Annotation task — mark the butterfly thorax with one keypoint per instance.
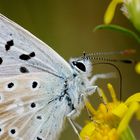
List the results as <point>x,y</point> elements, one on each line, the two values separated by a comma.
<point>75,87</point>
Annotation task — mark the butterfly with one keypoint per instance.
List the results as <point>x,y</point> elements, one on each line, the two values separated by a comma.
<point>38,88</point>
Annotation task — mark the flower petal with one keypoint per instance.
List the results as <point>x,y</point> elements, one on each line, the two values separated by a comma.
<point>137,68</point>
<point>87,131</point>
<point>90,108</point>
<point>112,92</point>
<point>109,14</point>
<point>120,110</point>
<point>133,98</point>
<point>126,119</point>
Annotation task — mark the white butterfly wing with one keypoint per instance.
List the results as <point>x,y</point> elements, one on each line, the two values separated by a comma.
<point>30,107</point>
<point>31,81</point>
<point>21,52</point>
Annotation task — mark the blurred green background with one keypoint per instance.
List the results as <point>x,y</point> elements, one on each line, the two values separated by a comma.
<point>67,26</point>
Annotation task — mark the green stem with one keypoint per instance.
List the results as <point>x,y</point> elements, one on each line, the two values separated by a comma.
<point>119,29</point>
<point>127,135</point>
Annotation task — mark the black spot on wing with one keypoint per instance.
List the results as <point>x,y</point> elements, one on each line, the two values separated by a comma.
<point>1,131</point>
<point>34,84</point>
<point>13,131</point>
<point>32,54</point>
<point>10,85</point>
<point>24,57</point>
<point>27,56</point>
<point>33,105</point>
<point>1,60</point>
<point>38,138</point>
<point>9,44</point>
<point>24,70</point>
<point>39,117</point>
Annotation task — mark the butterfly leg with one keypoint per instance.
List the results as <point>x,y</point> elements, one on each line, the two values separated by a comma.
<point>92,89</point>
<point>100,95</point>
<point>69,117</point>
<point>101,76</point>
<point>96,88</point>
<point>85,101</point>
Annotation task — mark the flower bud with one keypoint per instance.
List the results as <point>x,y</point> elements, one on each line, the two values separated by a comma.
<point>131,9</point>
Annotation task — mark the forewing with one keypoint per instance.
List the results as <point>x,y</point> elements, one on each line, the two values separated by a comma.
<point>30,107</point>
<point>21,52</point>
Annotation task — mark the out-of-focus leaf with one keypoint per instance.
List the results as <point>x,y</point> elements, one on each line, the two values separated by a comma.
<point>119,29</point>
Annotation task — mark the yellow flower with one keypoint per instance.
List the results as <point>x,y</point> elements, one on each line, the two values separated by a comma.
<point>137,68</point>
<point>110,121</point>
<point>130,8</point>
<point>109,14</point>
<point>132,11</point>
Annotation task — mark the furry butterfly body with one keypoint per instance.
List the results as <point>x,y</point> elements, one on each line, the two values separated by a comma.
<point>38,88</point>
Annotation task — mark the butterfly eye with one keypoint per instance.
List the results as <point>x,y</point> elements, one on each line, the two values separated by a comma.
<point>79,65</point>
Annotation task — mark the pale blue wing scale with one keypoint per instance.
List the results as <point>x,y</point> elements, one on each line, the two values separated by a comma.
<point>45,59</point>
<point>32,112</point>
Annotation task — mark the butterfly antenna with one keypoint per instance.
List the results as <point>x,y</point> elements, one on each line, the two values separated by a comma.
<point>122,52</point>
<point>103,59</point>
<point>98,56</point>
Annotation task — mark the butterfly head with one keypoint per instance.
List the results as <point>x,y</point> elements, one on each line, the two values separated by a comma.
<point>82,66</point>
